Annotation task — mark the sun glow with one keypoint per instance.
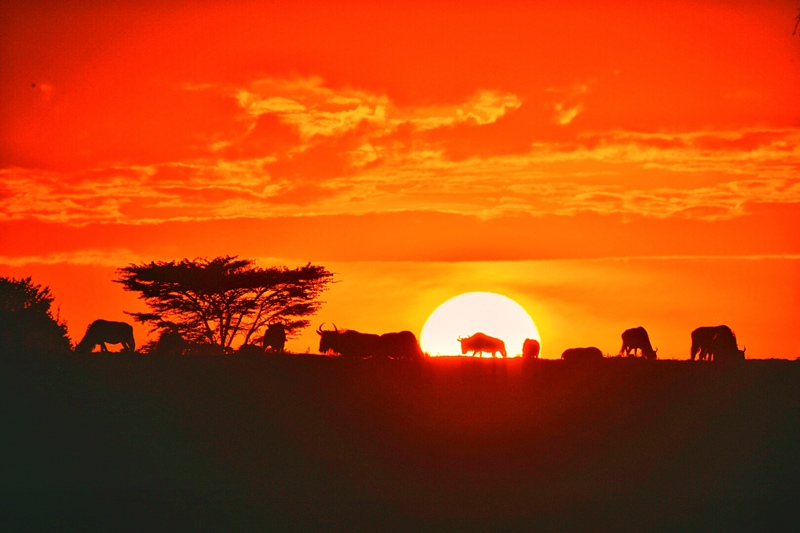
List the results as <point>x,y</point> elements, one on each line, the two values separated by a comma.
<point>472,312</point>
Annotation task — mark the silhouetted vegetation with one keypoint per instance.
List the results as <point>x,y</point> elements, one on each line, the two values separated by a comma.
<point>27,323</point>
<point>220,300</point>
<point>796,22</point>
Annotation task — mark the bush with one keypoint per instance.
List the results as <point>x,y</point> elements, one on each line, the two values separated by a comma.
<point>26,320</point>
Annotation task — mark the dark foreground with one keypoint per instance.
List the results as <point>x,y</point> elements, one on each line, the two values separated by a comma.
<point>308,443</point>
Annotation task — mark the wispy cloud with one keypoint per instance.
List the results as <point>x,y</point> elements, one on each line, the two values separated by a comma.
<point>107,257</point>
<point>569,103</point>
<point>306,148</point>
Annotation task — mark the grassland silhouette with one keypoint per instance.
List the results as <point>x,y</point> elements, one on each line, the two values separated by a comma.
<point>397,441</point>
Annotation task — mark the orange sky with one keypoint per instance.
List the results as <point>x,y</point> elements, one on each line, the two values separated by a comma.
<point>606,164</point>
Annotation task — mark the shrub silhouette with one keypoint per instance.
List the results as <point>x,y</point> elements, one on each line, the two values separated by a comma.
<point>170,343</point>
<point>27,323</point>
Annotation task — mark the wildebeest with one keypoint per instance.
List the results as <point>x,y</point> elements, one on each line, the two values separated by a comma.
<point>637,339</point>
<point>401,345</point>
<point>480,342</point>
<point>274,337</point>
<point>106,331</point>
<point>531,349</point>
<point>716,343</point>
<point>249,350</point>
<point>351,344</point>
<point>582,354</point>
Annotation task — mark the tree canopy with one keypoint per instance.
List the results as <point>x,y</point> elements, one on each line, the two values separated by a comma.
<point>221,300</point>
<point>27,323</point>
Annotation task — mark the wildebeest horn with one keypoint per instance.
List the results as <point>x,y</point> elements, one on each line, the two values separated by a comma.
<point>460,338</point>
<point>320,331</point>
<point>744,349</point>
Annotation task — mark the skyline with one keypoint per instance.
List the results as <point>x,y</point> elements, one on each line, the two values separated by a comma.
<point>606,165</point>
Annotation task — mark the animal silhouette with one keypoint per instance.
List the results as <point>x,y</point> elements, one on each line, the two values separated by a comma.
<point>354,344</point>
<point>106,331</point>
<point>531,349</point>
<point>715,343</point>
<point>480,342</point>
<point>637,339</point>
<point>589,353</point>
<point>250,350</point>
<point>401,345</point>
<point>702,340</point>
<point>274,337</point>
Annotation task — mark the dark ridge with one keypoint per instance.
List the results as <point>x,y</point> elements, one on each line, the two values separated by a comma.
<point>109,442</point>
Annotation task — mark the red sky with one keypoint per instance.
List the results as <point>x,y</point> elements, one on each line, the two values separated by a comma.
<point>607,164</point>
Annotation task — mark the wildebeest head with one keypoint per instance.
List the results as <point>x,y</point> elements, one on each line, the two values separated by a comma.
<point>464,342</point>
<point>328,339</point>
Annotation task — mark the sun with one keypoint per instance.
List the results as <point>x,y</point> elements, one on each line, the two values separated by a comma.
<point>472,312</point>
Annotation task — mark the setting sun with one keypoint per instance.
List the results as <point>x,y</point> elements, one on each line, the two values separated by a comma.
<point>472,312</point>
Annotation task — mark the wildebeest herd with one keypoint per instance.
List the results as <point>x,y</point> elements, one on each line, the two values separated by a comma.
<point>709,343</point>
<point>712,343</point>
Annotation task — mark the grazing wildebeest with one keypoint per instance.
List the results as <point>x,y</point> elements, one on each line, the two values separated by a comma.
<point>106,331</point>
<point>637,339</point>
<point>715,343</point>
<point>582,354</point>
<point>702,339</point>
<point>250,350</point>
<point>401,345</point>
<point>274,337</point>
<point>480,342</point>
<point>351,344</point>
<point>531,349</point>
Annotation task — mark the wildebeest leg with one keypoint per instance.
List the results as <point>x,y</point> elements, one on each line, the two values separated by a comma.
<point>103,347</point>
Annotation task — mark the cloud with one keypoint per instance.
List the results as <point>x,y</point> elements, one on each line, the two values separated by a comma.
<point>113,257</point>
<point>569,103</point>
<point>566,114</point>
<point>317,110</point>
<point>303,147</point>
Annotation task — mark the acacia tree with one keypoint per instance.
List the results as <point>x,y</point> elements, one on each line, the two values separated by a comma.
<point>219,300</point>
